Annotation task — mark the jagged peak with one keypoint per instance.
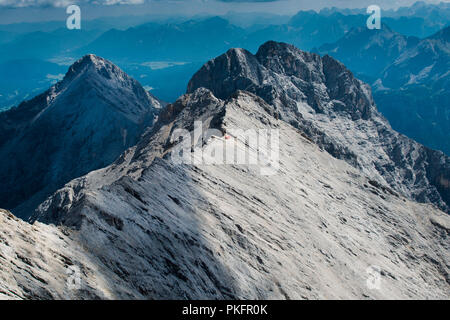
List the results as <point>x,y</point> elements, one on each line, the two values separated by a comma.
<point>384,30</point>
<point>239,54</point>
<point>271,45</point>
<point>276,49</point>
<point>272,48</point>
<point>90,60</point>
<point>99,65</point>
<point>90,57</point>
<point>239,69</point>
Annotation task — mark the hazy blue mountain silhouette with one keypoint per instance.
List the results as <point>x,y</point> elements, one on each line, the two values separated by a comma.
<point>409,75</point>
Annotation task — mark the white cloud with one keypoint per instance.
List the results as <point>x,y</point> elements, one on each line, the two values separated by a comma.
<point>35,3</point>
<point>62,3</point>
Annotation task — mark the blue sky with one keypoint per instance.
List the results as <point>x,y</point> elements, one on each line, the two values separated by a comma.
<point>41,10</point>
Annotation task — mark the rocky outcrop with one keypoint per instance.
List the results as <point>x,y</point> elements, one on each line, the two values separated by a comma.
<point>369,52</point>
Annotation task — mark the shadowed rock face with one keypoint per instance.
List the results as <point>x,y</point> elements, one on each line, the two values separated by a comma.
<point>80,124</point>
<point>333,108</point>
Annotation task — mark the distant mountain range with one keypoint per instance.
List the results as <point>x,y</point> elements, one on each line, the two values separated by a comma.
<point>368,52</point>
<point>409,75</point>
<point>189,40</point>
<point>306,29</point>
<point>434,12</point>
<point>45,45</point>
<point>427,63</point>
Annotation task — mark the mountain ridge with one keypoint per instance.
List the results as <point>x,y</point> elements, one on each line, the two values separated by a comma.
<point>322,97</point>
<point>409,77</point>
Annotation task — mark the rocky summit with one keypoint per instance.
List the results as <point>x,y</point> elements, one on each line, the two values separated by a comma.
<point>80,124</point>
<point>349,209</point>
